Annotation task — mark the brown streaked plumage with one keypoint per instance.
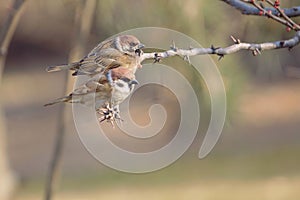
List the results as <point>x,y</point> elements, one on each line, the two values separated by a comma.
<point>99,91</point>
<point>112,54</point>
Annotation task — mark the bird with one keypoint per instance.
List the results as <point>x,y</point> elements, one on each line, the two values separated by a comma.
<point>99,92</point>
<point>112,54</point>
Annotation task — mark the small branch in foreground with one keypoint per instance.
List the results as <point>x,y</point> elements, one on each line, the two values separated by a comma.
<point>247,9</point>
<point>255,48</point>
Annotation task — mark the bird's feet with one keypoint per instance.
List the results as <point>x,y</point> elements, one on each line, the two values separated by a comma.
<point>109,114</point>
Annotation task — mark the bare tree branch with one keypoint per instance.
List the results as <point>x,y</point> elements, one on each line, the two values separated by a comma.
<point>269,14</point>
<point>280,17</point>
<point>246,6</point>
<point>255,48</point>
<point>276,5</point>
<point>247,9</point>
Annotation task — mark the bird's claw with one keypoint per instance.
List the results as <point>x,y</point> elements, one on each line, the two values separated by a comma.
<point>109,114</point>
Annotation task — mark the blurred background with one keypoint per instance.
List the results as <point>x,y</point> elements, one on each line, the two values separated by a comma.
<point>257,156</point>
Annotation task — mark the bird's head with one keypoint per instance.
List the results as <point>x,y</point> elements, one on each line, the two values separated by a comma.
<point>129,44</point>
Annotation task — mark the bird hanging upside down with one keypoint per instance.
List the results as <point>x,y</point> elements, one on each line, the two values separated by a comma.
<point>105,97</point>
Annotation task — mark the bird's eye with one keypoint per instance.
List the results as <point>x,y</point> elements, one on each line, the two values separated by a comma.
<point>138,52</point>
<point>133,44</point>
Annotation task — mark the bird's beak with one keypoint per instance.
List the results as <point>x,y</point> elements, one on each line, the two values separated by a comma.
<point>135,82</point>
<point>140,46</point>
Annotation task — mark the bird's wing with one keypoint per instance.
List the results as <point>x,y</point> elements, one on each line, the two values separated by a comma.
<point>104,45</point>
<point>91,86</point>
<point>99,62</point>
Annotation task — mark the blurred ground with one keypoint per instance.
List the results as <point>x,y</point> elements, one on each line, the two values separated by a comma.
<point>258,150</point>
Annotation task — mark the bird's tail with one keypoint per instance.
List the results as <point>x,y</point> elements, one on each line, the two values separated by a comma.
<point>62,99</point>
<point>56,68</point>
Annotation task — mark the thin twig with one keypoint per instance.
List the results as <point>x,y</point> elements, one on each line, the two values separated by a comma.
<point>255,48</point>
<point>282,14</point>
<point>247,9</point>
<point>271,15</point>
